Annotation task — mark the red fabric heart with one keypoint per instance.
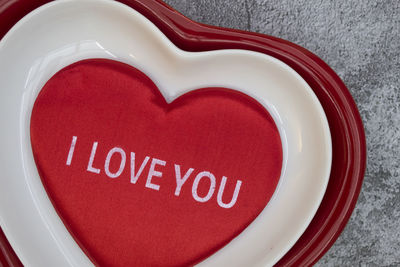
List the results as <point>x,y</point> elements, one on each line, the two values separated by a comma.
<point>121,220</point>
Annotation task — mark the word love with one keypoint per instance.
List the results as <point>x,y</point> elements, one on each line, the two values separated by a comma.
<point>155,172</point>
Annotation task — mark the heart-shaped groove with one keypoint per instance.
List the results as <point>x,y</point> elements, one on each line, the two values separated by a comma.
<point>140,182</point>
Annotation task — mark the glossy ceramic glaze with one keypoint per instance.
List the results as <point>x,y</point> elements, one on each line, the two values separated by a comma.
<point>55,44</point>
<point>347,132</point>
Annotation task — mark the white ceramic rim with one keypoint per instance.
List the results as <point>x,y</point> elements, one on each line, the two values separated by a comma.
<point>66,31</point>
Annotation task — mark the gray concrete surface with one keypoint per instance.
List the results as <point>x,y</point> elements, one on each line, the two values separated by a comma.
<point>360,40</point>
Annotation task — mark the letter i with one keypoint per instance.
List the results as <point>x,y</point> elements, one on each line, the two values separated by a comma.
<point>71,150</point>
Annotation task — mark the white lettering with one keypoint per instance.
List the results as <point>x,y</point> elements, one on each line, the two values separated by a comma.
<point>71,150</point>
<point>180,181</point>
<point>134,177</point>
<point>154,173</point>
<point>196,184</point>
<point>121,165</point>
<point>221,192</point>
<point>90,167</point>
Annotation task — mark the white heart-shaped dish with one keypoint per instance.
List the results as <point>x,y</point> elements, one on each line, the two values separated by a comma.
<point>63,32</point>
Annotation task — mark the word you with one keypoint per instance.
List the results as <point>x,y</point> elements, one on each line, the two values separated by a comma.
<point>154,171</point>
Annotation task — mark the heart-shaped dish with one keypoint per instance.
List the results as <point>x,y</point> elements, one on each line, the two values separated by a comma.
<point>62,33</point>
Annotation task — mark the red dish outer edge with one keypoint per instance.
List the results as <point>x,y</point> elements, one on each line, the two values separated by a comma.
<point>348,137</point>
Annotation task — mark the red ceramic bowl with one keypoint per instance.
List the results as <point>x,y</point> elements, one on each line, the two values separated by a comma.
<point>348,138</point>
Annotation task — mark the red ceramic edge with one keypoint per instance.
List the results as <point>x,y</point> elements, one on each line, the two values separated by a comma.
<point>348,137</point>
<point>7,255</point>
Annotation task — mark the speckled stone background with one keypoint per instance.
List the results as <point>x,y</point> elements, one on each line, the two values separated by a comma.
<point>360,40</point>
